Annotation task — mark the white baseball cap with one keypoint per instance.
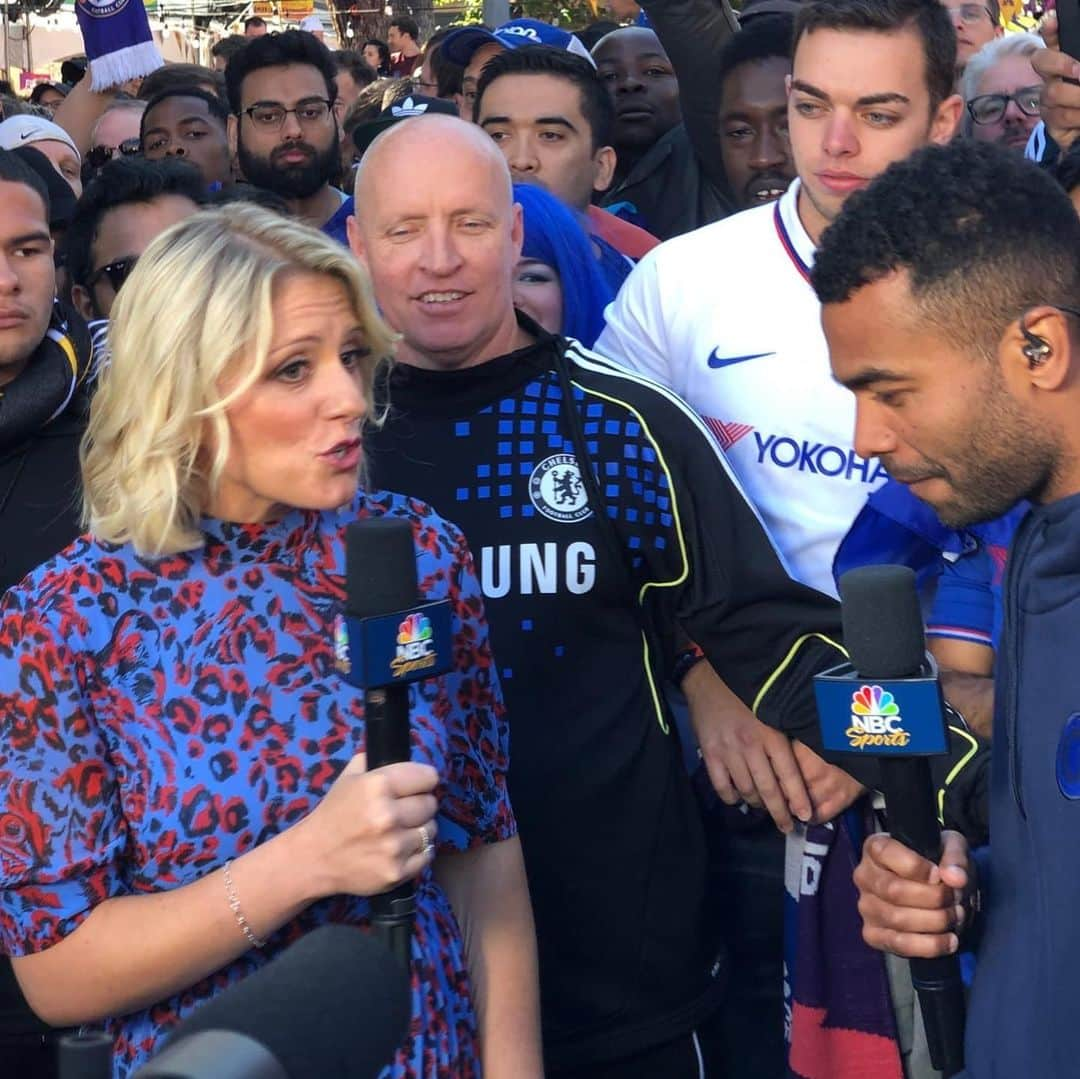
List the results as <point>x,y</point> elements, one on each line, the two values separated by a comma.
<point>25,130</point>
<point>459,45</point>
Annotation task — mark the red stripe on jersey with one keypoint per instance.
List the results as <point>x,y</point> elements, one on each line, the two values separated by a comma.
<point>785,241</point>
<point>727,434</point>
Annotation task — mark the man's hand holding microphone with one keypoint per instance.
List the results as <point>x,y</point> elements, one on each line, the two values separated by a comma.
<point>911,906</point>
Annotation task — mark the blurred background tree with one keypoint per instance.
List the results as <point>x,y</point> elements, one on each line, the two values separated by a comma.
<point>568,13</point>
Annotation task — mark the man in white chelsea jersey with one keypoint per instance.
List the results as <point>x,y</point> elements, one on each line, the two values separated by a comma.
<point>726,316</point>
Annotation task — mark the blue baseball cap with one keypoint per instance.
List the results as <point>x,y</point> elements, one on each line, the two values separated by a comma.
<point>459,45</point>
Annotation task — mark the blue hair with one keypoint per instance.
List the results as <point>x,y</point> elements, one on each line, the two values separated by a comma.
<point>554,235</point>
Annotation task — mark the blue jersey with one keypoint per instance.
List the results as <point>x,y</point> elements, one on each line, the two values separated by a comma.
<point>336,227</point>
<point>968,605</point>
<point>962,569</point>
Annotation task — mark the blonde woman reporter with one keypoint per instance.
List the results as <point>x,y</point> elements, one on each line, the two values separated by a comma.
<point>182,788</point>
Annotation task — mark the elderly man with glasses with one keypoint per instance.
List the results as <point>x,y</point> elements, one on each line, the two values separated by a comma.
<point>1002,91</point>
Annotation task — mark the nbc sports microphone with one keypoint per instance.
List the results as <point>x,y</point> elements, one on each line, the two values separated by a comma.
<point>386,639</point>
<point>888,703</point>
<point>335,1005</point>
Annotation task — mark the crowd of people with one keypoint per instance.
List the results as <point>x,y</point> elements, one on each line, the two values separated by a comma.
<point>650,332</point>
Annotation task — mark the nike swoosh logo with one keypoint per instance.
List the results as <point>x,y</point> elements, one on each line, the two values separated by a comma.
<point>728,361</point>
<point>25,135</point>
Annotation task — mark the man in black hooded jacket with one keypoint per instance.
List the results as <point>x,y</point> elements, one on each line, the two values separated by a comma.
<point>45,368</point>
<point>45,372</point>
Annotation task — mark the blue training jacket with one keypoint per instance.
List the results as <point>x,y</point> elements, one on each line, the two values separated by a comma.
<point>1022,1017</point>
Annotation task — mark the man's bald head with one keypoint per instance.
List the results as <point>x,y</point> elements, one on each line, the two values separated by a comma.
<point>640,37</point>
<point>438,230</point>
<point>423,145</point>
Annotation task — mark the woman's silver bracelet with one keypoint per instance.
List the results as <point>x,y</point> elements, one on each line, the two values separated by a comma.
<point>234,906</point>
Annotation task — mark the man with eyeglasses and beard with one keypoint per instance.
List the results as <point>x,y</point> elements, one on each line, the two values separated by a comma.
<point>1002,91</point>
<point>283,131</point>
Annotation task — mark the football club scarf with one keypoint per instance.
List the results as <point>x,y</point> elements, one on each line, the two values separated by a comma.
<point>63,365</point>
<point>840,1022</point>
<point>118,41</point>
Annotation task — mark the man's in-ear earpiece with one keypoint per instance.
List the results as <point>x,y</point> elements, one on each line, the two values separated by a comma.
<point>1036,350</point>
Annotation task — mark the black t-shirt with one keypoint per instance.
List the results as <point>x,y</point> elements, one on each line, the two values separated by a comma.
<point>611,834</point>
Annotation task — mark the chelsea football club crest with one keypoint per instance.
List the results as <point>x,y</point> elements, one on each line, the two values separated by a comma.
<point>558,491</point>
<point>102,9</point>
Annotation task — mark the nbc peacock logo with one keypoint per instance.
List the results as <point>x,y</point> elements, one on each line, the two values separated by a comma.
<point>875,719</point>
<point>415,645</point>
<point>415,628</point>
<point>341,646</point>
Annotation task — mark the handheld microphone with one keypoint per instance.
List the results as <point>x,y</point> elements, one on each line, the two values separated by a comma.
<point>86,1054</point>
<point>335,1004</point>
<point>388,638</point>
<point>888,703</point>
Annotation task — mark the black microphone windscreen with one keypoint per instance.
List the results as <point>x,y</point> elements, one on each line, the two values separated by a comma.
<point>86,1055</point>
<point>380,567</point>
<point>335,1004</point>
<point>882,619</point>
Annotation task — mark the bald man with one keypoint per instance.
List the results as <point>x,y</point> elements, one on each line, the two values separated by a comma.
<point>603,520</point>
<point>453,314</point>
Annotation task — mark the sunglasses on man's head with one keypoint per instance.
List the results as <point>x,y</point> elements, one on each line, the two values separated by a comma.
<point>117,272</point>
<point>99,156</point>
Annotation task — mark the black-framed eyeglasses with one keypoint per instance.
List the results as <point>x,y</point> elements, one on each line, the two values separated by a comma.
<point>989,108</point>
<point>270,115</point>
<point>970,14</point>
<point>116,271</point>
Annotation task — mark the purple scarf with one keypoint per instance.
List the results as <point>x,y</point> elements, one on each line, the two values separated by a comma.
<point>118,41</point>
<point>841,1023</point>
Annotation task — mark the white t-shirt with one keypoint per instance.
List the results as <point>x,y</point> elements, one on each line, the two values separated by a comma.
<point>725,316</point>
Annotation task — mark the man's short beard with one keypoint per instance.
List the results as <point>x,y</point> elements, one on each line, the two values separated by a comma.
<point>294,181</point>
<point>1009,455</point>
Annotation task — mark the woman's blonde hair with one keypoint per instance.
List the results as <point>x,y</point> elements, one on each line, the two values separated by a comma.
<point>200,298</point>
